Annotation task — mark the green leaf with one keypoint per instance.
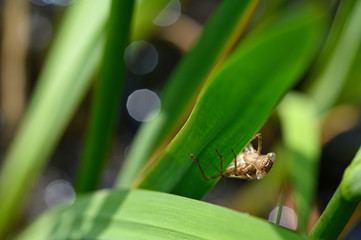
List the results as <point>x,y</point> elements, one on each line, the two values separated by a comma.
<point>139,214</point>
<point>107,97</point>
<point>351,181</point>
<point>334,218</point>
<point>327,86</point>
<point>351,89</point>
<point>144,14</point>
<point>61,85</point>
<point>301,133</point>
<point>64,79</point>
<point>218,38</point>
<point>236,101</point>
<point>342,204</point>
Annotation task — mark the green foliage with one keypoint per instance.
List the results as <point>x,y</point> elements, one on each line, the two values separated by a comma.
<point>218,97</point>
<point>62,84</point>
<point>345,42</point>
<point>124,214</point>
<point>236,101</point>
<point>65,77</point>
<point>338,208</point>
<point>107,97</point>
<point>301,133</point>
<point>342,204</point>
<point>351,181</point>
<point>185,83</point>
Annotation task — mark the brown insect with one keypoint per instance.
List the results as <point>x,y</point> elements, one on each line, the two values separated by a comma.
<point>248,164</point>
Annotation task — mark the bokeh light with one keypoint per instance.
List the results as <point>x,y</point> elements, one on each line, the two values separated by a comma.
<point>141,57</point>
<point>59,192</point>
<point>143,105</point>
<point>288,217</point>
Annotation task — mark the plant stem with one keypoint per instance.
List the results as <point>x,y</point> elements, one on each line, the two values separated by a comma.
<point>334,218</point>
<point>281,204</point>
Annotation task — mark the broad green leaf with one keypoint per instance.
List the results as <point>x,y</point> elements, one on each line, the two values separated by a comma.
<point>61,85</point>
<point>108,92</point>
<point>218,38</point>
<point>328,84</point>
<point>351,181</point>
<point>236,101</point>
<point>139,214</point>
<point>301,134</point>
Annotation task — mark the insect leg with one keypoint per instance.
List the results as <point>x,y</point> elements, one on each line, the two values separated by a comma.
<point>235,163</point>
<point>259,136</point>
<point>201,169</point>
<point>221,161</point>
<point>245,172</point>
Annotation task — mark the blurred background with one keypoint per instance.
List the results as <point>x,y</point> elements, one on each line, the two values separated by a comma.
<point>27,30</point>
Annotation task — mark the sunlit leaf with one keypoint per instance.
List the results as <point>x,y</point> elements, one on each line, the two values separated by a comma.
<point>301,133</point>
<point>185,83</point>
<point>141,214</point>
<point>327,86</point>
<point>236,101</point>
<point>61,85</point>
<point>108,92</point>
<point>351,181</point>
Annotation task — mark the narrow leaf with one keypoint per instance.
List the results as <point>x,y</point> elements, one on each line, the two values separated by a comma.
<point>145,12</point>
<point>61,85</point>
<point>334,218</point>
<point>351,181</point>
<point>301,134</point>
<point>107,97</point>
<point>65,77</point>
<point>139,214</point>
<point>236,101</point>
<point>329,83</point>
<point>180,94</point>
<point>342,204</point>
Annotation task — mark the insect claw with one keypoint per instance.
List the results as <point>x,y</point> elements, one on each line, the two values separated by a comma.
<point>235,156</point>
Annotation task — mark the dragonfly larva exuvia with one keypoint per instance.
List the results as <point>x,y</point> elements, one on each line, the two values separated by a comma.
<point>248,164</point>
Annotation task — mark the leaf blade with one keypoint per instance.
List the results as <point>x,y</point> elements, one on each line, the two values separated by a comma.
<point>139,214</point>
<point>215,124</point>
<point>61,85</point>
<point>179,95</point>
<point>339,63</point>
<point>301,133</point>
<point>107,96</point>
<point>350,184</point>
